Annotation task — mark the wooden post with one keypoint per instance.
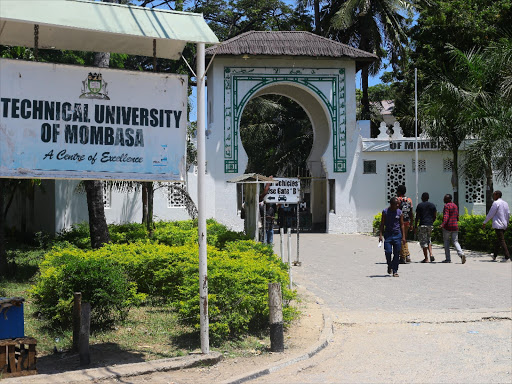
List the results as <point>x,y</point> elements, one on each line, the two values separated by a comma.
<point>276,317</point>
<point>77,305</point>
<point>85,323</point>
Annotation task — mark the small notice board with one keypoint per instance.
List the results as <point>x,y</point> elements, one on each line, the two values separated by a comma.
<point>284,191</point>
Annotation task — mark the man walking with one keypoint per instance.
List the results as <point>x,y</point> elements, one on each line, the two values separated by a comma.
<point>392,225</point>
<point>426,215</point>
<point>450,227</point>
<point>405,205</point>
<point>500,215</point>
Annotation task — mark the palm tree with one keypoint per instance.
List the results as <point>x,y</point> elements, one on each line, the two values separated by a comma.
<point>489,74</point>
<point>445,106</point>
<point>376,26</point>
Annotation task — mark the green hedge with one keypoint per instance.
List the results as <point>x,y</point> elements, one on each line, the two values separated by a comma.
<point>102,283</point>
<point>238,278</point>
<point>471,234</point>
<point>166,232</point>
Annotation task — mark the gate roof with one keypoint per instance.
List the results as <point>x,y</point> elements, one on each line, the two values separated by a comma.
<point>289,43</point>
<point>101,27</point>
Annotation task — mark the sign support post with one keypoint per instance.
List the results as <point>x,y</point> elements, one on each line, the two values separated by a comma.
<point>201,228</point>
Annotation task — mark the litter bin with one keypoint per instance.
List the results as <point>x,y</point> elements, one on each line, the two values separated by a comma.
<point>12,324</point>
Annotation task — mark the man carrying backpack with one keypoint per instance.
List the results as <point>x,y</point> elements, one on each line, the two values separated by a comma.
<point>405,205</point>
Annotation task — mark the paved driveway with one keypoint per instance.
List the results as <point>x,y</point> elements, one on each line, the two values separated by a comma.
<point>436,323</point>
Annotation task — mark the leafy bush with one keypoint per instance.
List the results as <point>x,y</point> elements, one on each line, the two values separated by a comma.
<point>238,278</point>
<point>166,232</point>
<point>102,283</point>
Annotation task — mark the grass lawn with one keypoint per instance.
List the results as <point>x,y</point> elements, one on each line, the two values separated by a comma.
<point>150,331</point>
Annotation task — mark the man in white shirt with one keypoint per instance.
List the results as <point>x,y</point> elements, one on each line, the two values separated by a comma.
<point>500,215</point>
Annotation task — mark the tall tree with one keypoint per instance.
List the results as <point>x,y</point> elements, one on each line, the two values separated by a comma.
<point>489,72</point>
<point>464,24</point>
<point>279,146</point>
<point>444,107</point>
<point>377,26</point>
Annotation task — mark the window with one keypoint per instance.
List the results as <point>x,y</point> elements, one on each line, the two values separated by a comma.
<point>395,176</point>
<point>447,165</point>
<point>475,191</point>
<point>369,166</point>
<point>175,195</point>
<point>422,165</point>
<point>107,195</point>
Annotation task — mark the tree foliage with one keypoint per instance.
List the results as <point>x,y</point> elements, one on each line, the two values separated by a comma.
<point>276,134</point>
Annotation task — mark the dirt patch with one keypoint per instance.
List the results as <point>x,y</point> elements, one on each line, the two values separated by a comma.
<point>300,336</point>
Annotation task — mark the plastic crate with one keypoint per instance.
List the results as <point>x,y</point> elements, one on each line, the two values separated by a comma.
<point>12,324</point>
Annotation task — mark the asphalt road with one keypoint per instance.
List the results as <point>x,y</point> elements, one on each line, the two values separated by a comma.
<point>436,323</point>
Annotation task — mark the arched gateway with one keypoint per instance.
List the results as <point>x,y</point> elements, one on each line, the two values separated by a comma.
<point>318,74</point>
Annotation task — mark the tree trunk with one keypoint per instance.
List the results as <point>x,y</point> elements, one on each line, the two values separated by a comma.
<point>455,176</point>
<point>144,203</point>
<point>318,27</point>
<point>97,221</point>
<point>151,194</point>
<point>365,100</point>
<point>489,188</point>
<point>94,188</point>
<point>3,253</point>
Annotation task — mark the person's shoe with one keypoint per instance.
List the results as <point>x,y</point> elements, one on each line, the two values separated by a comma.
<point>505,261</point>
<point>494,257</point>
<point>395,274</point>
<point>446,261</point>
<point>432,258</point>
<point>463,258</point>
<point>402,261</point>
<point>389,271</point>
<point>424,261</point>
<point>408,259</point>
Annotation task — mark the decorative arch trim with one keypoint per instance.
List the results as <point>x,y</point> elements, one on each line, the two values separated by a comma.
<point>241,83</point>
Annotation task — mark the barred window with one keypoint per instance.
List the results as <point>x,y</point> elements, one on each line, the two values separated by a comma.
<point>395,176</point>
<point>475,190</point>
<point>369,166</point>
<point>422,165</point>
<point>447,165</point>
<point>175,197</point>
<point>107,195</point>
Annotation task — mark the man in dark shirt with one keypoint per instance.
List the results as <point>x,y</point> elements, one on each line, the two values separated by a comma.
<point>450,227</point>
<point>425,215</point>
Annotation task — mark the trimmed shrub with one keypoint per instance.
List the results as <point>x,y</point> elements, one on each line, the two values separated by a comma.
<point>238,278</point>
<point>102,283</point>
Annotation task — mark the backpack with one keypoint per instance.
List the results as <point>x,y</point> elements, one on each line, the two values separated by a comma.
<point>405,205</point>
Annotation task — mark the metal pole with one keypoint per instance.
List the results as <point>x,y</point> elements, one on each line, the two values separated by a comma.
<point>265,241</point>
<point>290,255</point>
<point>297,262</point>
<point>416,127</point>
<point>201,200</point>
<point>281,234</point>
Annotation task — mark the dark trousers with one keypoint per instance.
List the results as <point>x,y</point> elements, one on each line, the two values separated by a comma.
<point>393,244</point>
<point>500,242</point>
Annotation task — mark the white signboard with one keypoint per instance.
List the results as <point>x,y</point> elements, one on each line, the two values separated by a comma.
<point>60,121</point>
<point>285,191</point>
<point>373,145</point>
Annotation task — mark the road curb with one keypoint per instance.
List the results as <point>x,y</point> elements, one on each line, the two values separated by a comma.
<point>323,342</point>
<point>119,371</point>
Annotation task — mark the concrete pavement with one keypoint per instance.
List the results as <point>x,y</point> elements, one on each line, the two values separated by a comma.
<point>448,323</point>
